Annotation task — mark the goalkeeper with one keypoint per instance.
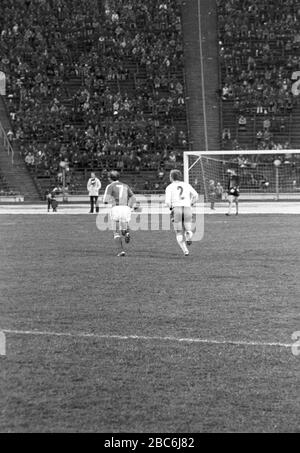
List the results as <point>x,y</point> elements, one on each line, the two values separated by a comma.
<point>233,191</point>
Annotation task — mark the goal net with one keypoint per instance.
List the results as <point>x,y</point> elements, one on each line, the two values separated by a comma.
<point>262,174</point>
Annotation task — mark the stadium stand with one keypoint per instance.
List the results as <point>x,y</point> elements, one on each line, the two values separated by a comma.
<point>83,87</point>
<point>259,51</point>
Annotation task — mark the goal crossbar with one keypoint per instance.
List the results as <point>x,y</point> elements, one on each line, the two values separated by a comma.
<point>261,175</point>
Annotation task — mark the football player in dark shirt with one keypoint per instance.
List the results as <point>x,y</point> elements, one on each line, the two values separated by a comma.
<point>233,191</point>
<point>121,197</point>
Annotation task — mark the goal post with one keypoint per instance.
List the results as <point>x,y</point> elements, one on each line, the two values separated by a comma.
<point>263,175</point>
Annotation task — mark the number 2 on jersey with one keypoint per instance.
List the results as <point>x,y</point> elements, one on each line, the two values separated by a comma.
<point>181,192</point>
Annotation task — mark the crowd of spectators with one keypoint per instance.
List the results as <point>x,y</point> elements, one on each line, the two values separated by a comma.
<point>266,134</point>
<point>259,45</point>
<point>99,82</point>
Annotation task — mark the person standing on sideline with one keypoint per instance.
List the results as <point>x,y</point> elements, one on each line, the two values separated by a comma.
<point>212,194</point>
<point>219,191</point>
<point>93,187</point>
<point>215,192</point>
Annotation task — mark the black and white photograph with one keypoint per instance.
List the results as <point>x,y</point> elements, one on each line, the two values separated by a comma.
<point>150,219</point>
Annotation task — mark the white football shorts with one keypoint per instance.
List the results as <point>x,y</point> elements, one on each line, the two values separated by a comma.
<point>120,214</point>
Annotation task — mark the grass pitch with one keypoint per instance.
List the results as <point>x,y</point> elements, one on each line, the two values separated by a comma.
<point>240,284</point>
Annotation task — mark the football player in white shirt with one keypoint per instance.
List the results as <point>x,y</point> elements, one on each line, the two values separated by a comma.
<point>180,197</point>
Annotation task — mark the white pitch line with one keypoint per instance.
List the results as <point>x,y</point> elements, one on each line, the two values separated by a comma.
<point>145,338</point>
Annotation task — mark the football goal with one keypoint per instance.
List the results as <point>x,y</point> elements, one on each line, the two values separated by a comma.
<point>273,175</point>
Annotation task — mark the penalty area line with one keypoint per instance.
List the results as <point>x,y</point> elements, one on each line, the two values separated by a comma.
<point>147,338</point>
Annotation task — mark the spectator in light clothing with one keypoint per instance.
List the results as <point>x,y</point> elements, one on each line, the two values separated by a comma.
<point>212,194</point>
<point>93,187</point>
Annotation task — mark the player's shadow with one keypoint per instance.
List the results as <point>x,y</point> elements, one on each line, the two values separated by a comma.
<point>82,253</point>
<point>156,255</point>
